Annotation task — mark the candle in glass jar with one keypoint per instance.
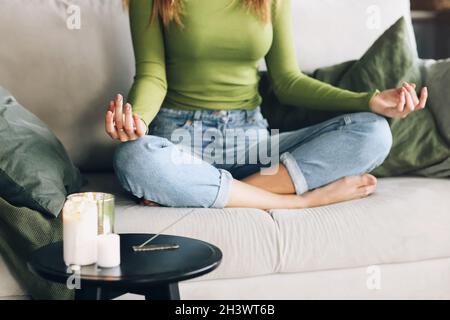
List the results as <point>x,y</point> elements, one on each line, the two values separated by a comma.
<point>105,209</point>
<point>80,224</point>
<point>108,250</point>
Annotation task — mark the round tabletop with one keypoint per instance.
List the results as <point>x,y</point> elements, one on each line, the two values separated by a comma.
<point>194,258</point>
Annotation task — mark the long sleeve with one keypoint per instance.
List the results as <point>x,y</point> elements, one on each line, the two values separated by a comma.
<point>150,83</point>
<point>291,86</point>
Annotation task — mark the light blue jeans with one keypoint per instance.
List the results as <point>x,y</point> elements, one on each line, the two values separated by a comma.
<point>188,160</point>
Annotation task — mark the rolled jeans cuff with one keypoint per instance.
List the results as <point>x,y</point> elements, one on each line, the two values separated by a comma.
<point>297,176</point>
<point>224,190</point>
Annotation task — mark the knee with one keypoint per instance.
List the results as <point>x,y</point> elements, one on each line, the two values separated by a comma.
<point>135,161</point>
<point>377,137</point>
<point>126,159</point>
<point>132,156</point>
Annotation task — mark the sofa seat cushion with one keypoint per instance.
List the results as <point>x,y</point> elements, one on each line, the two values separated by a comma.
<point>248,238</point>
<point>407,219</point>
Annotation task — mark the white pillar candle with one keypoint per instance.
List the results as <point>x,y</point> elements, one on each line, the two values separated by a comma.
<point>80,225</point>
<point>108,250</point>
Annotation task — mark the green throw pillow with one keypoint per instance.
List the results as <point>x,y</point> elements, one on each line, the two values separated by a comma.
<point>389,62</point>
<point>35,170</point>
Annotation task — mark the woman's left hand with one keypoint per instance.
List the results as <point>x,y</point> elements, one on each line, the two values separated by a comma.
<point>399,103</point>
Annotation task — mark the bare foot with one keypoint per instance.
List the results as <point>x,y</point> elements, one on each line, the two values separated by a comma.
<point>345,189</point>
<point>149,203</point>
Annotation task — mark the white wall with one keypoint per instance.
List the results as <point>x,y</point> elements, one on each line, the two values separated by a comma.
<point>333,31</point>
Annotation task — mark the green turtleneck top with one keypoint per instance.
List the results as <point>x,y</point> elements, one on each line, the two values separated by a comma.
<point>211,62</point>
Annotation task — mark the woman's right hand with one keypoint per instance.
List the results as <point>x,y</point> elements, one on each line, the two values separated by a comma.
<point>121,124</point>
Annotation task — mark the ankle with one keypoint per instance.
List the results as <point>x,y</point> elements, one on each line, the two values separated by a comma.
<point>301,202</point>
<point>313,199</point>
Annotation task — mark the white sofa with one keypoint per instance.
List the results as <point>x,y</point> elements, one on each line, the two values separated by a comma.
<point>394,244</point>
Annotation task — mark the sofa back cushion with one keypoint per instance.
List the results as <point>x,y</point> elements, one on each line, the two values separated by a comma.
<point>64,74</point>
<point>65,59</point>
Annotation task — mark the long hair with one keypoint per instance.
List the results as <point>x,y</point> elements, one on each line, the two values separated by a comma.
<point>171,10</point>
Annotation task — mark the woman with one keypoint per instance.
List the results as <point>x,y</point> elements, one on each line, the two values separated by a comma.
<point>197,71</point>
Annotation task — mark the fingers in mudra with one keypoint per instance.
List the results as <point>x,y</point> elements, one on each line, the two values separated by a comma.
<point>400,102</point>
<point>129,126</point>
<point>119,119</point>
<point>423,99</point>
<point>412,101</point>
<point>109,123</point>
<point>121,124</point>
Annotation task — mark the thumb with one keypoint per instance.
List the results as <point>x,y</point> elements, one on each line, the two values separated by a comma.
<point>141,128</point>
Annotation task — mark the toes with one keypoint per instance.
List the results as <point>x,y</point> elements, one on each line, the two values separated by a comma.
<point>146,202</point>
<point>361,181</point>
<point>369,185</point>
<point>369,180</point>
<point>149,203</point>
<point>366,190</point>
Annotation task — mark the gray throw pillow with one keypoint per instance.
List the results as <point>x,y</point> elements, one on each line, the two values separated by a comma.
<point>35,170</point>
<point>436,75</point>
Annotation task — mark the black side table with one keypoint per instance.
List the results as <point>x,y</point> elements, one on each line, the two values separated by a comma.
<point>152,274</point>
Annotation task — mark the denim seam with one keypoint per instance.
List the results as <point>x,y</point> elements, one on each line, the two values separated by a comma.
<point>297,176</point>
<point>224,190</point>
